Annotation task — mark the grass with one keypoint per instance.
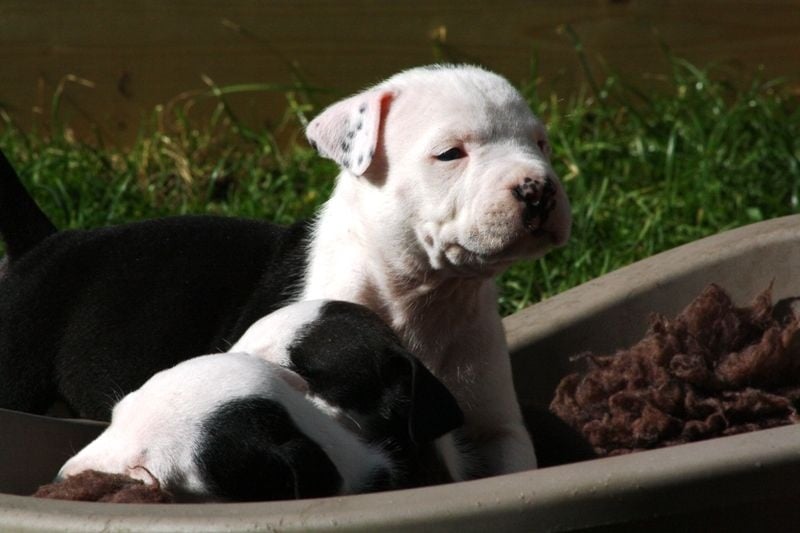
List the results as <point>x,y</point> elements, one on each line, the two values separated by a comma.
<point>645,171</point>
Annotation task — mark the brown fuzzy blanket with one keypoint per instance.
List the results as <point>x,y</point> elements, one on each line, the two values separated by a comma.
<point>715,369</point>
<point>93,486</point>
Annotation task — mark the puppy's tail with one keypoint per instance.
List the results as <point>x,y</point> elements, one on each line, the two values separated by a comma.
<point>22,224</point>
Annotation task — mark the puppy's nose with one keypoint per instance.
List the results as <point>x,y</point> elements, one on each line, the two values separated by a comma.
<point>539,199</point>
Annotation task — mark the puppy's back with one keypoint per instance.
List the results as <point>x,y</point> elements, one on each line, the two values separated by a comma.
<point>90,315</point>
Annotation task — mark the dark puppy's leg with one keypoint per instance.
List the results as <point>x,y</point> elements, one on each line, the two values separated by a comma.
<point>26,384</point>
<point>27,352</point>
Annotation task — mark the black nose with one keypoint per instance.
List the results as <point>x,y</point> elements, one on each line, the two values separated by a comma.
<point>539,200</point>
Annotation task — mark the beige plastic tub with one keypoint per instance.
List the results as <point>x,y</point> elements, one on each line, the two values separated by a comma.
<point>746,482</point>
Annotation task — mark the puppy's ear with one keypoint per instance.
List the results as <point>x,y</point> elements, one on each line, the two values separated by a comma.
<point>434,411</point>
<point>348,131</point>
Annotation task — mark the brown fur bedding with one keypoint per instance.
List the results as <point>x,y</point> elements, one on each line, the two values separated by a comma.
<point>93,486</point>
<point>713,370</point>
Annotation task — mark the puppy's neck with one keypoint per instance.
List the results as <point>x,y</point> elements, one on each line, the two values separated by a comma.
<point>356,255</point>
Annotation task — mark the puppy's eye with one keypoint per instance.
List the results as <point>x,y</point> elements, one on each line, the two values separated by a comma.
<point>451,154</point>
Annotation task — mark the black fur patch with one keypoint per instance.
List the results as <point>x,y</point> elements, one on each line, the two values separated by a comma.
<point>343,355</point>
<point>91,315</point>
<point>253,452</point>
<point>353,360</point>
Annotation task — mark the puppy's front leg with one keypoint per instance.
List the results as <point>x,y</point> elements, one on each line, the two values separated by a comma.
<point>505,450</point>
<point>493,439</point>
<point>473,455</point>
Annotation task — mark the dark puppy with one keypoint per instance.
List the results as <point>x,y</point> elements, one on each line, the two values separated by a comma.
<point>87,316</point>
<point>348,413</point>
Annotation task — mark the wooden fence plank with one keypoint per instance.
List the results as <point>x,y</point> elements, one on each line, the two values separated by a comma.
<point>140,53</point>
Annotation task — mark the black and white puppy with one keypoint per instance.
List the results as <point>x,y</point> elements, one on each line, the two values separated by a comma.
<point>326,402</point>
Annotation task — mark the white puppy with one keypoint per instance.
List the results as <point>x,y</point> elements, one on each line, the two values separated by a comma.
<point>445,182</point>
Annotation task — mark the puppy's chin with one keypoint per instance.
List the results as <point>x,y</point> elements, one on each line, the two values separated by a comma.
<point>471,253</point>
<point>479,259</point>
<point>461,262</point>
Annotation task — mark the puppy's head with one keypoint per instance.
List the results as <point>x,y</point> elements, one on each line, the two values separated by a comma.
<point>217,427</point>
<point>459,149</point>
<point>353,361</point>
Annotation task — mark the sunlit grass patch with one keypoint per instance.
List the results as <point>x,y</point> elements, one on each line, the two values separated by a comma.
<point>645,170</point>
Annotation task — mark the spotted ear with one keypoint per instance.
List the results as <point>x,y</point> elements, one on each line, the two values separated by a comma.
<point>348,131</point>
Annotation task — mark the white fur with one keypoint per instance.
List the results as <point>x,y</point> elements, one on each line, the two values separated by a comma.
<point>271,336</point>
<point>418,240</point>
<point>158,427</point>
